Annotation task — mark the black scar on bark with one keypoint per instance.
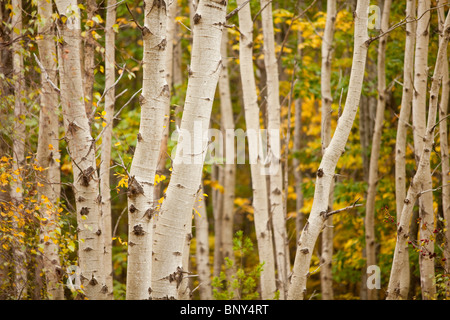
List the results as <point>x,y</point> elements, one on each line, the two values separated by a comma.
<point>134,187</point>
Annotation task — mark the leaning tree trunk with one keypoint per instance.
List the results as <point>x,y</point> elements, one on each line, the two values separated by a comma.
<point>403,123</point>
<point>325,173</point>
<point>416,189</point>
<point>426,211</point>
<point>184,185</point>
<point>81,146</point>
<point>49,187</point>
<point>443,138</point>
<point>105,163</point>
<point>326,277</point>
<point>260,202</point>
<point>19,136</point>
<point>273,152</point>
<point>376,145</point>
<point>141,204</point>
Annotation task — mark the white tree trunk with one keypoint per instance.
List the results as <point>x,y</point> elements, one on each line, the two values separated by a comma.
<point>276,177</point>
<point>19,137</point>
<point>88,59</point>
<point>416,188</point>
<point>443,134</point>
<point>170,36</point>
<point>153,100</point>
<point>48,153</point>
<point>403,123</point>
<point>82,151</point>
<point>426,211</point>
<point>202,249</point>
<point>229,168</point>
<point>326,277</point>
<point>299,219</point>
<point>171,229</point>
<point>325,173</point>
<point>260,201</point>
<point>376,145</point>
<point>105,163</point>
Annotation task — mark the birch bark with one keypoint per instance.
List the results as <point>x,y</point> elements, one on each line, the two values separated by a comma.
<point>19,136</point>
<point>299,219</point>
<point>202,249</point>
<point>48,153</point>
<point>426,211</point>
<point>81,146</point>
<point>403,121</point>
<point>260,201</point>
<point>204,72</point>
<point>88,59</point>
<point>416,188</point>
<point>276,195</point>
<point>153,101</point>
<point>376,145</point>
<point>325,173</point>
<point>443,138</point>
<point>105,163</point>
<point>229,168</point>
<point>326,277</point>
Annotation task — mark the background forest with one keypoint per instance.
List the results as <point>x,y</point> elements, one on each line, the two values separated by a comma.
<point>129,71</point>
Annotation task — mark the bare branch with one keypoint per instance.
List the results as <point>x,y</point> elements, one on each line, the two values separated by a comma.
<point>232,13</point>
<point>47,77</point>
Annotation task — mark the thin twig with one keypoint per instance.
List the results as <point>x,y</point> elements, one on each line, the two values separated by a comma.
<point>134,19</point>
<point>232,13</point>
<point>290,27</point>
<point>403,22</point>
<point>113,5</point>
<point>117,113</point>
<point>259,12</point>
<point>354,205</point>
<point>117,222</point>
<point>47,77</point>
<point>184,25</point>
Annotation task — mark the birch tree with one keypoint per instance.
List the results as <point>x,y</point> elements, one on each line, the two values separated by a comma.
<point>105,163</point>
<point>376,145</point>
<point>19,136</point>
<point>251,112</point>
<point>297,145</point>
<point>176,210</point>
<point>325,173</point>
<point>443,138</point>
<point>326,278</point>
<point>403,123</point>
<point>202,249</point>
<point>229,168</point>
<point>416,189</point>
<point>81,147</point>
<point>48,155</point>
<point>273,124</point>
<point>153,101</point>
<point>88,58</point>
<point>426,211</point>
